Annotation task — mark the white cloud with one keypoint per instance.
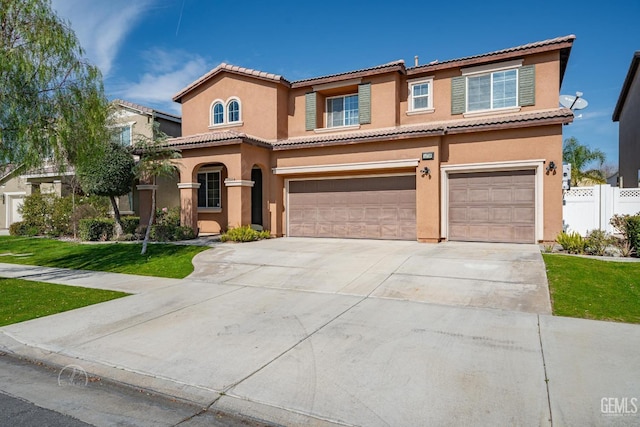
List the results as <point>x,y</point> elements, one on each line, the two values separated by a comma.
<point>167,73</point>
<point>101,26</point>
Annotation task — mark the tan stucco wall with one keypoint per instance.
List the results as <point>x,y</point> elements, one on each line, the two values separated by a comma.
<point>629,136</point>
<point>259,105</point>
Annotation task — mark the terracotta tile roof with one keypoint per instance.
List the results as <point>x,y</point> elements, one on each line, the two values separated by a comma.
<point>550,43</point>
<point>232,69</point>
<point>626,86</point>
<point>389,66</point>
<point>215,138</point>
<point>552,116</point>
<point>143,109</point>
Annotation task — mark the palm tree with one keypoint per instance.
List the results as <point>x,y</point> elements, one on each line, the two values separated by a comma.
<point>156,160</point>
<point>580,156</point>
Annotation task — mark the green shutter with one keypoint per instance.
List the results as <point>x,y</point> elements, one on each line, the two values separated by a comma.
<point>310,111</point>
<point>527,85</point>
<point>364,103</point>
<point>458,92</point>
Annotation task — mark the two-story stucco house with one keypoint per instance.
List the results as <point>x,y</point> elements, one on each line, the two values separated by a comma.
<point>627,113</point>
<point>131,120</point>
<point>462,149</point>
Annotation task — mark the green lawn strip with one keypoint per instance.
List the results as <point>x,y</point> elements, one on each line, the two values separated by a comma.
<point>22,300</point>
<point>161,260</point>
<point>594,289</point>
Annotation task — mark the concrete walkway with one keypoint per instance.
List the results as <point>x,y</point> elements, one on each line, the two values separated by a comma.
<point>247,337</point>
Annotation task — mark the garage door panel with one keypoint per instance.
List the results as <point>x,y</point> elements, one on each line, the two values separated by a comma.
<point>492,206</point>
<point>372,207</point>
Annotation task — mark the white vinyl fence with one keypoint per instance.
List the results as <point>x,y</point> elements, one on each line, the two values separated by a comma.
<point>589,208</point>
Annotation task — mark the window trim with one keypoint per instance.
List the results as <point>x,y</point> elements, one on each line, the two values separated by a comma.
<point>225,113</point>
<point>414,82</point>
<point>119,127</point>
<point>207,170</point>
<point>326,111</point>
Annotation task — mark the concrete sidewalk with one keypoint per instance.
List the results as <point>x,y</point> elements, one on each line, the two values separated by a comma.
<point>301,356</point>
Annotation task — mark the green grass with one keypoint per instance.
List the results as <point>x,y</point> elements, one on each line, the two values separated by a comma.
<point>22,300</point>
<point>594,289</point>
<point>161,260</point>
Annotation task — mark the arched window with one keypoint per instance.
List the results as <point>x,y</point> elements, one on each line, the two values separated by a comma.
<point>218,113</point>
<point>233,109</point>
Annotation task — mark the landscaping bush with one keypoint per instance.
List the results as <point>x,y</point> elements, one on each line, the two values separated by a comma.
<point>60,219</point>
<point>169,233</point>
<point>244,234</point>
<point>597,242</point>
<point>18,229</point>
<point>36,212</point>
<point>571,242</point>
<point>96,229</point>
<point>130,224</point>
<point>629,227</point>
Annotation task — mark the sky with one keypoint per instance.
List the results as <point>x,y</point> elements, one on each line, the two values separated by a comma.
<point>148,50</point>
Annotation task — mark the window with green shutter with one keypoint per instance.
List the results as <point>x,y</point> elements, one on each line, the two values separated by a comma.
<point>500,89</point>
<point>310,111</point>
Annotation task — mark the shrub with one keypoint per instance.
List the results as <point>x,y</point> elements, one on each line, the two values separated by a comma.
<point>597,242</point>
<point>18,229</point>
<point>96,229</point>
<point>60,218</point>
<point>571,242</point>
<point>168,216</point>
<point>633,232</point>
<point>244,234</point>
<point>36,211</point>
<point>170,233</point>
<point>130,224</point>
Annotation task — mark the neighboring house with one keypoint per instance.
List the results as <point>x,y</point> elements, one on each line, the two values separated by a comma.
<point>453,150</point>
<point>132,120</point>
<point>627,113</point>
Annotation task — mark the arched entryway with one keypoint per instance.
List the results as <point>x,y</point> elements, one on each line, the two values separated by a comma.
<point>256,196</point>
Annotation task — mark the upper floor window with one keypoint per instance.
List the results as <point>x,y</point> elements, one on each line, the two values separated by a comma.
<point>420,95</point>
<point>492,91</point>
<point>233,114</point>
<point>123,135</point>
<point>234,111</point>
<point>505,87</point>
<point>342,111</point>
<point>218,113</point>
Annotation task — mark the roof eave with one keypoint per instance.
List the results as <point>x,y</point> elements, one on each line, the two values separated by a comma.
<point>633,68</point>
<point>349,75</point>
<point>490,58</point>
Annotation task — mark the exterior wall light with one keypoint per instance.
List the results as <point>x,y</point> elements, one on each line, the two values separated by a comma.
<point>551,167</point>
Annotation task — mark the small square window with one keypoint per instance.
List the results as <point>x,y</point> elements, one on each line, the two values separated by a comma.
<point>420,95</point>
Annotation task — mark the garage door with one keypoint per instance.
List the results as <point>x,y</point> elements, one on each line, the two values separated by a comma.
<point>492,206</point>
<point>361,208</point>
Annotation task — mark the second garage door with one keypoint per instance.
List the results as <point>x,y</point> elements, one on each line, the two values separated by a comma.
<point>365,208</point>
<point>492,206</point>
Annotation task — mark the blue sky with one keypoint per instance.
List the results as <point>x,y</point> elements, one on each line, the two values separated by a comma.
<point>149,49</point>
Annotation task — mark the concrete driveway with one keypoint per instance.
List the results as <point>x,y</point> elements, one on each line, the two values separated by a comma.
<point>314,332</point>
<point>490,275</point>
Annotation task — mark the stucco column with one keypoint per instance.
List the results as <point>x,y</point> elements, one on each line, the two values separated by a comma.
<point>57,187</point>
<point>189,204</point>
<point>238,201</point>
<point>144,194</point>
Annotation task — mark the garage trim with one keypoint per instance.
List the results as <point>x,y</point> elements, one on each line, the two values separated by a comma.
<point>345,167</point>
<point>538,165</point>
<point>319,178</point>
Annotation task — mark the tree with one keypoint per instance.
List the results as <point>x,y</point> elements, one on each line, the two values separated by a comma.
<point>580,156</point>
<point>157,159</point>
<point>110,175</point>
<point>52,103</point>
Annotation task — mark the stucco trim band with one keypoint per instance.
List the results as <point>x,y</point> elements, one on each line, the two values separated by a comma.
<point>182,185</point>
<point>345,167</point>
<point>230,182</point>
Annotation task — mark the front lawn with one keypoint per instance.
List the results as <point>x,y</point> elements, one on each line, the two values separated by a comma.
<point>161,260</point>
<point>594,289</point>
<point>22,300</point>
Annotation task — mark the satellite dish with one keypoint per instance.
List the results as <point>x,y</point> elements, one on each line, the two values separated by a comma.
<point>573,102</point>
